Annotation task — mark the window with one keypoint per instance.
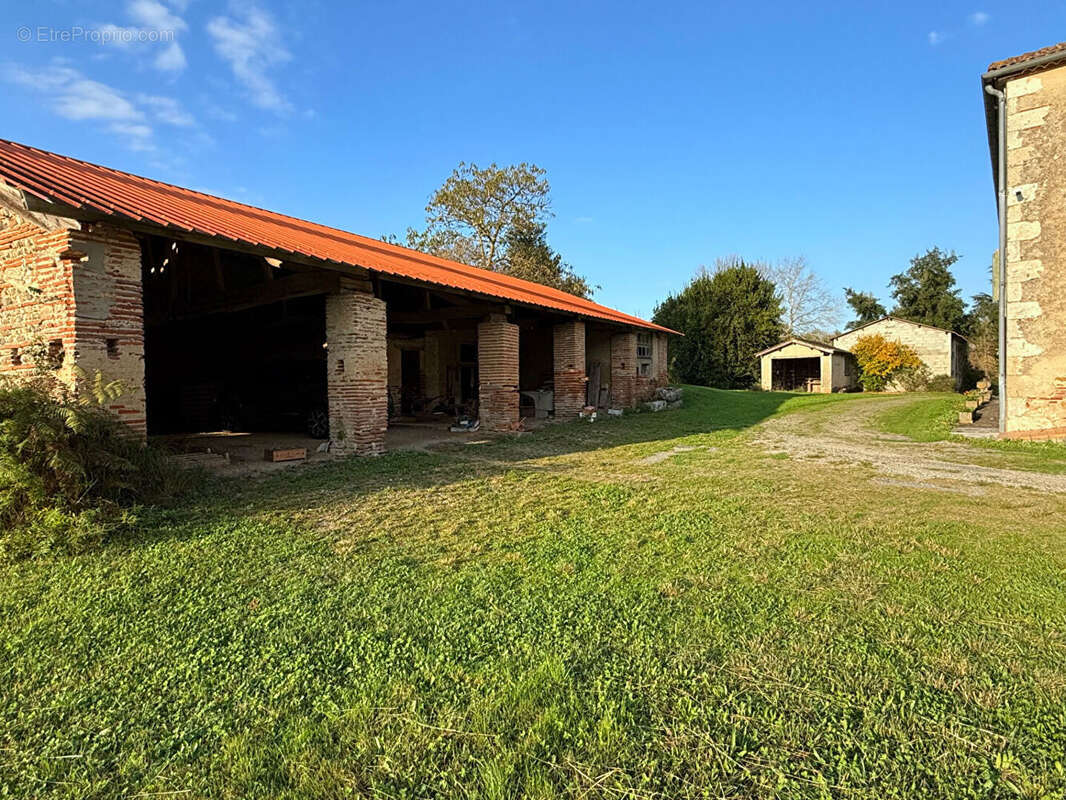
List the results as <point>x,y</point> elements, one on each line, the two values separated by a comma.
<point>643,345</point>
<point>112,348</point>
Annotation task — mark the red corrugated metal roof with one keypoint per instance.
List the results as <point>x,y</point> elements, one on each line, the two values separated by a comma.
<point>82,185</point>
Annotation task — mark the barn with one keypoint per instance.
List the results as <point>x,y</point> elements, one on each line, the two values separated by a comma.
<point>218,315</point>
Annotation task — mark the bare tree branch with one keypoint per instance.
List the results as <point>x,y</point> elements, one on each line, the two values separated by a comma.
<point>808,305</point>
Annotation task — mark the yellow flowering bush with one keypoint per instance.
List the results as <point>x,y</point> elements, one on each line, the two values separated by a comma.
<point>881,360</point>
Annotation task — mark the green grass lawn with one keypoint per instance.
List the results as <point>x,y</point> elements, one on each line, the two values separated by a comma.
<point>927,418</point>
<point>651,607</point>
<point>931,417</point>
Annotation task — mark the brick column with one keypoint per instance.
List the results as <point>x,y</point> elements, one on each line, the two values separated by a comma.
<point>624,369</point>
<point>357,372</point>
<point>569,358</point>
<point>497,366</point>
<point>109,318</point>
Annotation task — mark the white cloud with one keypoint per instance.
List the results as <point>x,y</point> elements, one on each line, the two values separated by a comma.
<point>936,37</point>
<point>156,29</point>
<point>71,95</point>
<point>979,18</point>
<point>153,15</point>
<point>171,58</point>
<point>167,110</point>
<point>250,42</point>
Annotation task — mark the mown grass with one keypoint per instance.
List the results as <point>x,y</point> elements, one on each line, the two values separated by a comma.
<point>931,418</point>
<point>928,418</point>
<point>557,615</point>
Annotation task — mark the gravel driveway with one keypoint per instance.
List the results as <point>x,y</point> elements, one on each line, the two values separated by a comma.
<point>846,433</point>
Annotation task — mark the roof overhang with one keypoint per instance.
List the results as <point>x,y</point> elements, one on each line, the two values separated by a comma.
<point>825,349</point>
<point>63,186</point>
<point>997,76</point>
<point>899,319</point>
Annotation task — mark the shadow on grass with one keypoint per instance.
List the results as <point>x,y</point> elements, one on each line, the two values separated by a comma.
<point>706,412</point>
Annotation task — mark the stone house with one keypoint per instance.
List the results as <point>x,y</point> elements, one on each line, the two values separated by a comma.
<point>1025,107</point>
<point>944,352</point>
<point>215,314</point>
<point>804,365</point>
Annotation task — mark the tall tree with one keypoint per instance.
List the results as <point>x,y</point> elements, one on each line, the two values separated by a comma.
<point>527,255</point>
<point>866,308</point>
<point>926,291</point>
<point>807,305</point>
<point>495,218</point>
<point>475,209</point>
<point>727,316</point>
<point>982,326</point>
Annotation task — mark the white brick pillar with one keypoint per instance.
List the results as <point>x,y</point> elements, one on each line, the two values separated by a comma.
<point>497,365</point>
<point>357,372</point>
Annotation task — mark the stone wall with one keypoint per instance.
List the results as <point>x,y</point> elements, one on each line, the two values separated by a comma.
<point>442,352</point>
<point>569,360</point>
<point>1035,391</point>
<point>357,372</point>
<point>933,346</point>
<point>497,350</point>
<point>73,294</point>
<point>845,374</point>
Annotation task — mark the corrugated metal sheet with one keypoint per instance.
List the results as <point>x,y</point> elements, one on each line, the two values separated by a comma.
<point>81,185</point>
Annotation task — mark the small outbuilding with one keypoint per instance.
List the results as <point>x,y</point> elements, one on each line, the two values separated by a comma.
<point>804,365</point>
<point>944,352</point>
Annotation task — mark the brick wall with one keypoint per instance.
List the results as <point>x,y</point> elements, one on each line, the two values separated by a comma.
<point>646,385</point>
<point>36,294</point>
<point>357,372</point>
<point>1035,391</point>
<point>568,354</point>
<point>624,369</point>
<point>76,293</point>
<point>109,315</point>
<point>497,351</point>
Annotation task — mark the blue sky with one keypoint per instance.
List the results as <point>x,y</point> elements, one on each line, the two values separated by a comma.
<point>848,133</point>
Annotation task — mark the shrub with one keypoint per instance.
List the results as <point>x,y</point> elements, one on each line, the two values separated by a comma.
<point>913,379</point>
<point>881,361</point>
<point>70,471</point>
<point>942,383</point>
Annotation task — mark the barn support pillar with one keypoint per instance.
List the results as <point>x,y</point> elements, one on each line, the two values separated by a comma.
<point>569,370</point>
<point>497,357</point>
<point>357,371</point>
